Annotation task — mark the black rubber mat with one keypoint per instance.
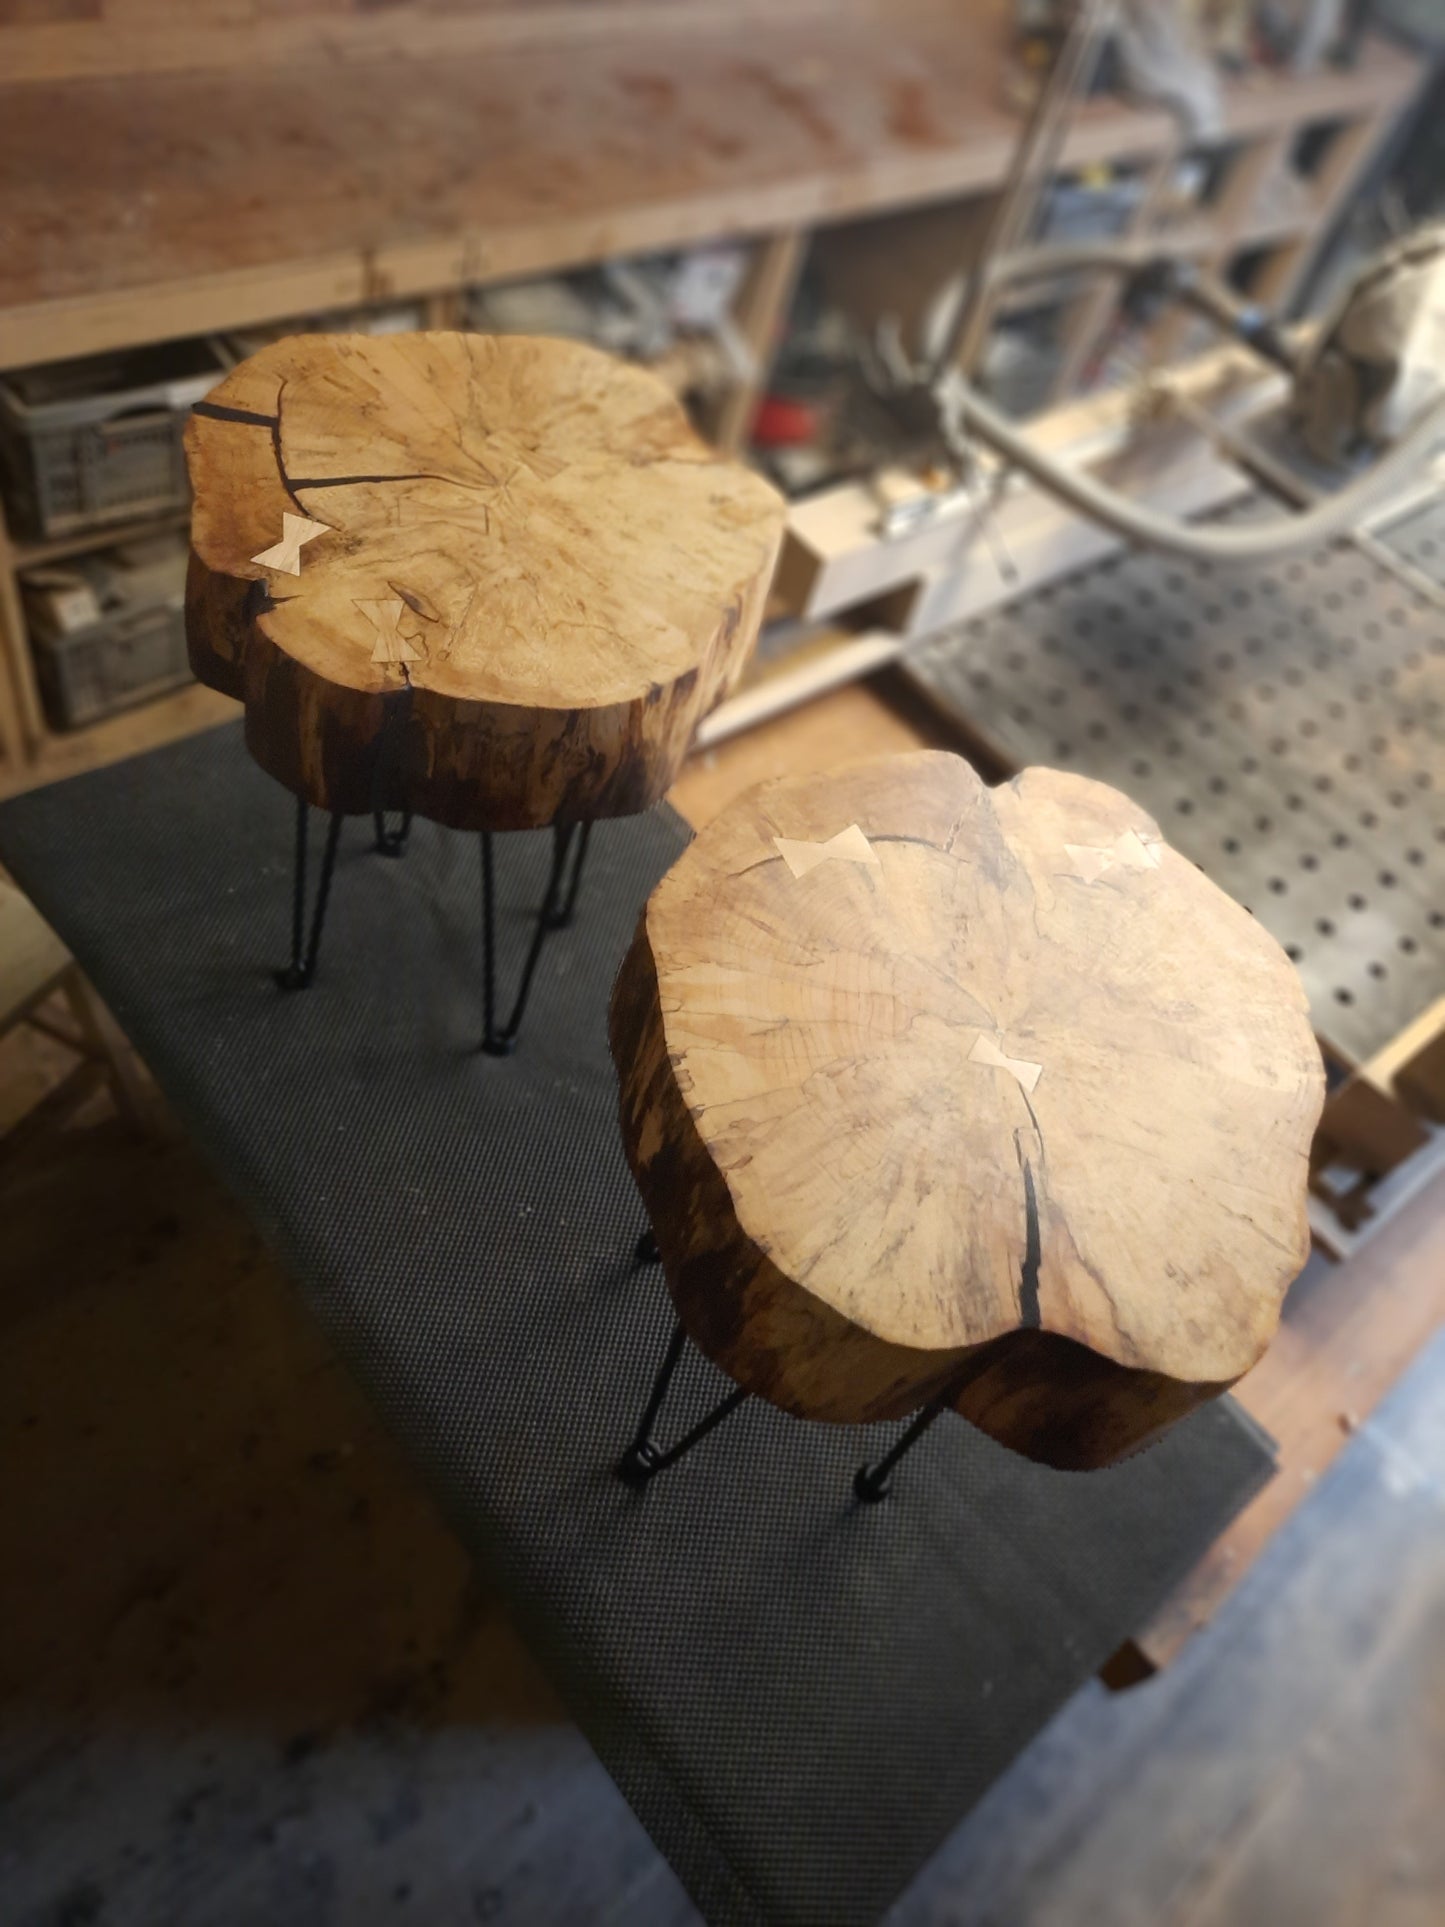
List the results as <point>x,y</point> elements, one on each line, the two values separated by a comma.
<point>800,1698</point>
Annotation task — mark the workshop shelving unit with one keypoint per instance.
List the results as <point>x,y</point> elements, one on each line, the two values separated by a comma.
<point>652,137</point>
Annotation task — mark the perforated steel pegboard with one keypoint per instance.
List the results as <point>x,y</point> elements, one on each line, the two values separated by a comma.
<point>1283,722</point>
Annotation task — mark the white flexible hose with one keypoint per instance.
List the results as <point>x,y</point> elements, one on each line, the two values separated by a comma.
<point>1142,526</point>
<point>1333,516</point>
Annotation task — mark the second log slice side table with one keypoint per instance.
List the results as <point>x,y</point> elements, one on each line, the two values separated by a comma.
<point>941,1096</point>
<point>493,581</point>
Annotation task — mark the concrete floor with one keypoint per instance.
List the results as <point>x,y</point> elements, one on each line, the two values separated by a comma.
<point>248,1676</point>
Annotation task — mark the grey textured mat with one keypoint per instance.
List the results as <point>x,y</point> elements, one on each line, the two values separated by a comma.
<point>799,1698</point>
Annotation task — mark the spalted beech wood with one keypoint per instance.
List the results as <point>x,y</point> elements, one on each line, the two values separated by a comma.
<point>930,1085</point>
<point>495,580</point>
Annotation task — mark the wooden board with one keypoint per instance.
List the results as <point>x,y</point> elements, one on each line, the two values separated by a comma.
<point>1350,1331</point>
<point>153,204</point>
<point>162,203</point>
<point>866,1036</point>
<point>66,39</point>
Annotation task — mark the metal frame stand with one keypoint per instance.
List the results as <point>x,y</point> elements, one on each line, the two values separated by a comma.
<point>559,903</point>
<point>393,724</point>
<point>391,842</point>
<point>300,972</point>
<point>644,1458</point>
<point>873,1482</point>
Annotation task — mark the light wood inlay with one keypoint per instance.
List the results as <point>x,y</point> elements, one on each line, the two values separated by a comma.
<point>848,846</point>
<point>296,531</point>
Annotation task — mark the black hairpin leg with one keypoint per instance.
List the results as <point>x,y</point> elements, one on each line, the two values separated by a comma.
<point>643,1459</point>
<point>647,1252</point>
<point>562,917</point>
<point>302,968</point>
<point>871,1482</point>
<point>501,1042</point>
<point>391,842</point>
<point>396,709</point>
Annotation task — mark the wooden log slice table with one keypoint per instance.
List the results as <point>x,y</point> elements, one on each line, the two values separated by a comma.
<point>941,1096</point>
<point>493,581</point>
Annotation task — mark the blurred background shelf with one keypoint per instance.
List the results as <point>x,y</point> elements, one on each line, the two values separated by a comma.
<point>412,166</point>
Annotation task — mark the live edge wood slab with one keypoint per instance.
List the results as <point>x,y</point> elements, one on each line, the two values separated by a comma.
<point>494,580</point>
<point>932,1086</point>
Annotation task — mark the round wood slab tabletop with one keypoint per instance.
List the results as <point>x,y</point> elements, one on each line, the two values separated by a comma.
<point>929,1086</point>
<point>496,580</point>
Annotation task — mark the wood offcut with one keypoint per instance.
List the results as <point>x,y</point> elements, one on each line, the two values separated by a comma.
<point>530,561</point>
<point>963,1118</point>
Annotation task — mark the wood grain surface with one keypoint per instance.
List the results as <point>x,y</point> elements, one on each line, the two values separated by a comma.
<point>929,1086</point>
<point>495,580</point>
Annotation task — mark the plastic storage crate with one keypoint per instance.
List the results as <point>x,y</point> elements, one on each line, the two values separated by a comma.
<point>90,442</point>
<point>123,660</point>
<point>108,630</point>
